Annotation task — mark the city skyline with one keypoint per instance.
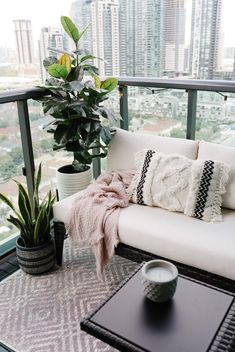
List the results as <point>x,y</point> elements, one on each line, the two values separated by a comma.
<point>48,16</point>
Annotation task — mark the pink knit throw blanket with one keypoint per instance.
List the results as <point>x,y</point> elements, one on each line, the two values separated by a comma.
<point>94,216</point>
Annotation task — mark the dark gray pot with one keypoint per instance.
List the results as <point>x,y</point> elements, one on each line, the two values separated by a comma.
<point>35,260</point>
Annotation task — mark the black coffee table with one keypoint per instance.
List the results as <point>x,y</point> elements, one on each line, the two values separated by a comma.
<point>200,318</point>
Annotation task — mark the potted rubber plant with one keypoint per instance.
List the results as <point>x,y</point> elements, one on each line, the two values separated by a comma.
<point>34,247</point>
<point>81,124</point>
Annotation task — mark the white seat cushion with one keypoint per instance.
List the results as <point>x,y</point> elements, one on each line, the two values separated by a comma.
<point>125,144</point>
<point>61,208</point>
<point>207,246</point>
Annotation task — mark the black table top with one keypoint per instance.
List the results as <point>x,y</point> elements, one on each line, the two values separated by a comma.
<point>187,323</point>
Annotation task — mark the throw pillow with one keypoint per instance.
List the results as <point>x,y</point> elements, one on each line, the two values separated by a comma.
<point>176,183</point>
<point>161,180</point>
<point>207,185</point>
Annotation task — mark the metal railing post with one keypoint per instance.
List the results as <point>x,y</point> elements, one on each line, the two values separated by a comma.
<point>96,164</point>
<point>123,94</point>
<point>27,147</point>
<point>191,114</point>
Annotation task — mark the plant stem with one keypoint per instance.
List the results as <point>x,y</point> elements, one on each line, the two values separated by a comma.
<point>77,53</point>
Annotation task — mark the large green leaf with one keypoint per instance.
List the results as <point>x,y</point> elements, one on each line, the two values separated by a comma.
<point>60,133</point>
<point>70,28</point>
<point>39,226</point>
<point>83,157</point>
<point>17,223</point>
<point>97,81</point>
<point>25,212</point>
<point>57,71</point>
<point>76,74</point>
<point>7,201</point>
<point>109,84</point>
<point>84,30</point>
<point>26,197</point>
<point>91,69</point>
<point>38,178</point>
<point>105,135</point>
<point>48,61</point>
<point>74,86</point>
<point>87,57</point>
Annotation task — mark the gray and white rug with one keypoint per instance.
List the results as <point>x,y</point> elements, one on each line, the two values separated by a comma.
<point>43,313</point>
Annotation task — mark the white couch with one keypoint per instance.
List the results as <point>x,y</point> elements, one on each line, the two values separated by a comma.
<point>199,244</point>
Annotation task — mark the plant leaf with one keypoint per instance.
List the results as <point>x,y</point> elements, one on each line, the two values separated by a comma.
<point>109,84</point>
<point>70,28</point>
<point>26,197</point>
<point>65,60</point>
<point>38,179</point>
<point>84,30</point>
<point>48,61</point>
<point>38,226</point>
<point>87,57</point>
<point>57,71</point>
<point>97,81</point>
<point>7,201</point>
<point>76,74</point>
<point>74,86</point>
<point>17,223</point>
<point>105,135</point>
<point>23,208</point>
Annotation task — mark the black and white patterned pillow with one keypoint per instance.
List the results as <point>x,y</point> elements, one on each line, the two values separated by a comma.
<point>177,183</point>
<point>141,183</point>
<point>207,185</point>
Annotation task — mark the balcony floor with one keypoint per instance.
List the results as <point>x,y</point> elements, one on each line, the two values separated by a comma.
<point>53,304</point>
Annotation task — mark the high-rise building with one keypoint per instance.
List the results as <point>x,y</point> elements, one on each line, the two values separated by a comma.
<point>24,42</point>
<point>141,37</point>
<point>174,35</point>
<point>105,36</point>
<point>205,34</point>
<point>126,37</point>
<point>80,12</point>
<point>50,37</point>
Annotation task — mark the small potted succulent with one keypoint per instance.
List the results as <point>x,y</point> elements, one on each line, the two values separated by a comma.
<point>34,247</point>
<point>81,124</point>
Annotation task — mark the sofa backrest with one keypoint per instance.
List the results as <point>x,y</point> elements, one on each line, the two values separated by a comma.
<point>218,152</point>
<point>125,144</point>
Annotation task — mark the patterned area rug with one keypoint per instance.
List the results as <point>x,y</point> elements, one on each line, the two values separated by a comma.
<point>42,313</point>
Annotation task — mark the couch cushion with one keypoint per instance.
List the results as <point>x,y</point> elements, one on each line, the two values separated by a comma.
<point>61,208</point>
<point>207,246</point>
<point>125,144</point>
<point>227,155</point>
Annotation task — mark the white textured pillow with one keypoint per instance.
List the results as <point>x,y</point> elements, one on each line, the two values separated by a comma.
<point>176,183</point>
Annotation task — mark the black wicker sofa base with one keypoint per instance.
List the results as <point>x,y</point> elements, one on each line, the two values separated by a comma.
<point>138,255</point>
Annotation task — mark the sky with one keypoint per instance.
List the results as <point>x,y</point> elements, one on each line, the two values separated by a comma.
<point>48,12</point>
<point>40,12</point>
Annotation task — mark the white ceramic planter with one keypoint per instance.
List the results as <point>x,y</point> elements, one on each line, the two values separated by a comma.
<point>70,183</point>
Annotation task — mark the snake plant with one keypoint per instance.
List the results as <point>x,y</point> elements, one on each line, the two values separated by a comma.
<point>32,218</point>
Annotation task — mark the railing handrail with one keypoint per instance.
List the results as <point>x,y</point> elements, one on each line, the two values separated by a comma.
<point>188,84</point>
<point>12,95</point>
<point>168,83</point>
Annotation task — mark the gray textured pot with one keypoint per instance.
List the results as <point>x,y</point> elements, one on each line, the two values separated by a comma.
<point>35,260</point>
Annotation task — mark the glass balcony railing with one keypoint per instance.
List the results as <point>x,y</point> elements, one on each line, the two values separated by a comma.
<point>192,109</point>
